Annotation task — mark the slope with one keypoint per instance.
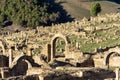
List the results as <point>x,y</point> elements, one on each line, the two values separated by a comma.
<point>80,8</point>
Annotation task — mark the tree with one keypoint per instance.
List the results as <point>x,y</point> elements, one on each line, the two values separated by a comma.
<point>95,8</point>
<point>30,13</point>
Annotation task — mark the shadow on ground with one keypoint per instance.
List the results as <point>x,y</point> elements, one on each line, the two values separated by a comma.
<point>89,75</point>
<point>116,1</point>
<point>63,14</point>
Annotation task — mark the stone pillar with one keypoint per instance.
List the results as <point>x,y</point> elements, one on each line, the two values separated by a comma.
<point>41,78</point>
<point>16,47</point>
<point>10,57</point>
<point>117,73</point>
<point>29,51</point>
<point>2,73</point>
<point>3,48</point>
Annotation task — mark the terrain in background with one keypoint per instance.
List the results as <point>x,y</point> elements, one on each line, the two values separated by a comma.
<point>80,8</point>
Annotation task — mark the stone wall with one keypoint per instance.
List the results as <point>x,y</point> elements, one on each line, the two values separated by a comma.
<point>45,37</point>
<point>114,62</point>
<point>99,63</point>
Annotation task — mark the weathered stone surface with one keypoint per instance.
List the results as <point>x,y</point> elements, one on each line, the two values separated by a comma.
<point>42,40</point>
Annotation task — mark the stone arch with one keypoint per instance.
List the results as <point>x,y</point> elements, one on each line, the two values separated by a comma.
<point>2,47</point>
<point>20,65</point>
<point>53,43</point>
<point>20,57</point>
<point>110,53</point>
<point>108,58</point>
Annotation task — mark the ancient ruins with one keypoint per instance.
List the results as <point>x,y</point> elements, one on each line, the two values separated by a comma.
<point>32,54</point>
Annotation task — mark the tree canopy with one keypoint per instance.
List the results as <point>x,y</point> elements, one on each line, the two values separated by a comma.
<point>29,13</point>
<point>95,8</point>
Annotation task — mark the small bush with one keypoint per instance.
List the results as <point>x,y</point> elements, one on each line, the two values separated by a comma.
<point>95,9</point>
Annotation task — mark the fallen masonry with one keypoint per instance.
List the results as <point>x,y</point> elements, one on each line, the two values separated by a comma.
<point>35,55</point>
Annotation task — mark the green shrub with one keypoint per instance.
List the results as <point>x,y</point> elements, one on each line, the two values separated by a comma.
<point>95,8</point>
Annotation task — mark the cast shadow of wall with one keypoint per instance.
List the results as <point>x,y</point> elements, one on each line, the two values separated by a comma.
<point>3,61</point>
<point>116,1</point>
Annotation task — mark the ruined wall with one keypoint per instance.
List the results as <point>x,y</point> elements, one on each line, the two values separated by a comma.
<point>115,61</point>
<point>74,55</point>
<point>99,63</point>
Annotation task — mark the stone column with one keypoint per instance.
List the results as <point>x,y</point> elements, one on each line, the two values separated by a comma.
<point>3,48</point>
<point>41,77</point>
<point>29,51</point>
<point>16,47</point>
<point>2,73</point>
<point>117,73</point>
<point>10,57</point>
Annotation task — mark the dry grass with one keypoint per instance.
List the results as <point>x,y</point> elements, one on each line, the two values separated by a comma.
<point>79,9</point>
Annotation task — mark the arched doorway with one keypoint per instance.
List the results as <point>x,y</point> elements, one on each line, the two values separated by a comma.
<point>20,65</point>
<point>20,68</point>
<point>59,47</point>
<point>54,46</point>
<point>110,58</point>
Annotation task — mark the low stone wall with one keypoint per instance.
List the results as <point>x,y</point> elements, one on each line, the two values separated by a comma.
<point>30,77</point>
<point>99,63</point>
<point>113,62</point>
